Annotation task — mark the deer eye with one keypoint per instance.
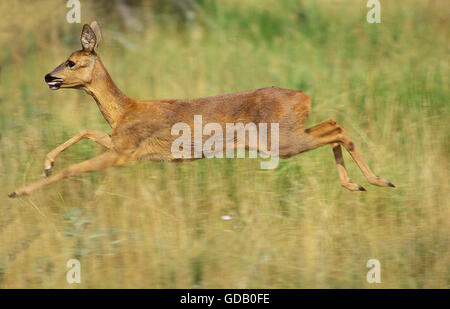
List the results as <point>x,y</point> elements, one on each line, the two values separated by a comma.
<point>70,64</point>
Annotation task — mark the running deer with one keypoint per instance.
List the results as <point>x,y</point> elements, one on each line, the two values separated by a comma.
<point>142,129</point>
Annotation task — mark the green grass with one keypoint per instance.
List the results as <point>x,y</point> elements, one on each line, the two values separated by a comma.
<point>158,225</point>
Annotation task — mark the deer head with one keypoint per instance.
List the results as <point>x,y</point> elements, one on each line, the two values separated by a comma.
<point>77,70</point>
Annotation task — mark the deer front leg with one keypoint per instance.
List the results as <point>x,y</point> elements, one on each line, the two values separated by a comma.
<point>100,162</point>
<point>96,136</point>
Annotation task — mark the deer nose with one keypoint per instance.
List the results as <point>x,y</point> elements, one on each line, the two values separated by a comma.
<point>49,78</point>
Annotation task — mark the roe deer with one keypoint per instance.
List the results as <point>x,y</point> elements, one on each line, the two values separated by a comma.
<point>142,129</point>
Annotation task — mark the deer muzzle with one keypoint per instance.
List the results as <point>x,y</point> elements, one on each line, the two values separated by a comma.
<point>53,82</point>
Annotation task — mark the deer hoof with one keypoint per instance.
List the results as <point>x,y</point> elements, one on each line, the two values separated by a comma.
<point>381,182</point>
<point>353,186</point>
<point>48,170</point>
<point>13,195</point>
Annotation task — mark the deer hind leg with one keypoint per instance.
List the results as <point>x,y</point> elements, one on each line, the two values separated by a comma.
<point>329,132</point>
<point>342,171</point>
<point>93,135</point>
<point>100,162</point>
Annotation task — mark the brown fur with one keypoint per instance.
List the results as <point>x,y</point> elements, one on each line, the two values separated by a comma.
<point>142,129</point>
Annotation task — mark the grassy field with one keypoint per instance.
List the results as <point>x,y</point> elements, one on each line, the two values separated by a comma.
<point>159,225</point>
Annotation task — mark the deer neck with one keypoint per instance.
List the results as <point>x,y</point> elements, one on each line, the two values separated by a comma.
<point>110,100</point>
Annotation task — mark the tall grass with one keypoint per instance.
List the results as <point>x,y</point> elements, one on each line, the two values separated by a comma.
<point>159,225</point>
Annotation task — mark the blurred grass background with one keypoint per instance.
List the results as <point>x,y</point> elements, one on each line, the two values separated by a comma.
<point>158,225</point>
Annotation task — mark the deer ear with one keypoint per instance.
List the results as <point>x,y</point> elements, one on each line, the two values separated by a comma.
<point>88,39</point>
<point>98,33</point>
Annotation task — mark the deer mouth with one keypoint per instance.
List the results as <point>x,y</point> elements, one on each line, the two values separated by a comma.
<point>53,82</point>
